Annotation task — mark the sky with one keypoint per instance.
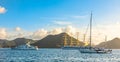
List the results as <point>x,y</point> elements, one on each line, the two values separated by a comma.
<point>36,19</point>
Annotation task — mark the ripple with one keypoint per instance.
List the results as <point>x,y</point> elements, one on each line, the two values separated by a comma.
<point>55,55</point>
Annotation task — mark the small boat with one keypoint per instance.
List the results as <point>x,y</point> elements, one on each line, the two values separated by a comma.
<point>90,49</point>
<point>26,46</point>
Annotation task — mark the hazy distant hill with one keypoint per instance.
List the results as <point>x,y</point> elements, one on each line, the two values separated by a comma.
<point>3,42</point>
<point>20,41</point>
<point>55,41</point>
<point>15,42</point>
<point>113,44</point>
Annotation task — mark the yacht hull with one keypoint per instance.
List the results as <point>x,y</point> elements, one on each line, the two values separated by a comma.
<point>94,50</point>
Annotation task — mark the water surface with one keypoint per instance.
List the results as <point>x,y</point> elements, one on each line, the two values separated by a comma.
<point>55,55</point>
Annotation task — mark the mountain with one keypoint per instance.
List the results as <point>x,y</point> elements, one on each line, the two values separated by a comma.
<point>3,43</point>
<point>20,41</point>
<point>50,41</point>
<point>12,43</point>
<point>55,41</point>
<point>113,44</point>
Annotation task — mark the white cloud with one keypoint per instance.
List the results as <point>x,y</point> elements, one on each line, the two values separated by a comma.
<point>39,34</point>
<point>70,30</point>
<point>112,30</point>
<point>2,10</point>
<point>17,29</point>
<point>62,22</point>
<point>18,33</point>
<point>3,33</point>
<point>15,34</point>
<point>56,31</point>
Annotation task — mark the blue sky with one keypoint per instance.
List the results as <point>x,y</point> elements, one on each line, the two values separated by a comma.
<point>32,15</point>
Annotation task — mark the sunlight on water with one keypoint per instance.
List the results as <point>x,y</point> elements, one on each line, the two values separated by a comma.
<point>55,55</point>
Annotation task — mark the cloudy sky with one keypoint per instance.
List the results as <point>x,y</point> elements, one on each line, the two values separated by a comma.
<point>37,18</point>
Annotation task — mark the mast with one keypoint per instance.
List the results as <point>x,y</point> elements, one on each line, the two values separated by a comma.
<point>78,44</point>
<point>84,37</point>
<point>105,38</point>
<point>91,29</point>
<point>65,40</point>
<point>71,40</point>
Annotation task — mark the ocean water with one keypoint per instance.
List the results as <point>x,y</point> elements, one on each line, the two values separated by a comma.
<point>55,55</point>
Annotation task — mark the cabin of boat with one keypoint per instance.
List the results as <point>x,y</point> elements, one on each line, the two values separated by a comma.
<point>26,46</point>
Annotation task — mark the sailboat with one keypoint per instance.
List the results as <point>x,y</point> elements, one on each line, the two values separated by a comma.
<point>90,49</point>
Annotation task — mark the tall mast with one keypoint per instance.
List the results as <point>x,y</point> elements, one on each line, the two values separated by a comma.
<point>71,40</point>
<point>78,44</point>
<point>84,37</point>
<point>90,29</point>
<point>65,40</point>
<point>105,38</point>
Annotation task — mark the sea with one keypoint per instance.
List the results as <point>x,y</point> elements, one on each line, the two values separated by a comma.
<point>56,55</point>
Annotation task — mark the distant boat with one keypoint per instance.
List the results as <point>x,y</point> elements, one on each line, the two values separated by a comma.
<point>26,46</point>
<point>90,49</point>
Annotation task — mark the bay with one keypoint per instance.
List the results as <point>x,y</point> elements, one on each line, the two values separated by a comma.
<point>55,55</point>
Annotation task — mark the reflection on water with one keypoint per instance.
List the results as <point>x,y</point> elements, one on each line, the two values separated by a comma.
<point>55,55</point>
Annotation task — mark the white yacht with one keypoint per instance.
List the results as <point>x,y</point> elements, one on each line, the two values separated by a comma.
<point>26,46</point>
